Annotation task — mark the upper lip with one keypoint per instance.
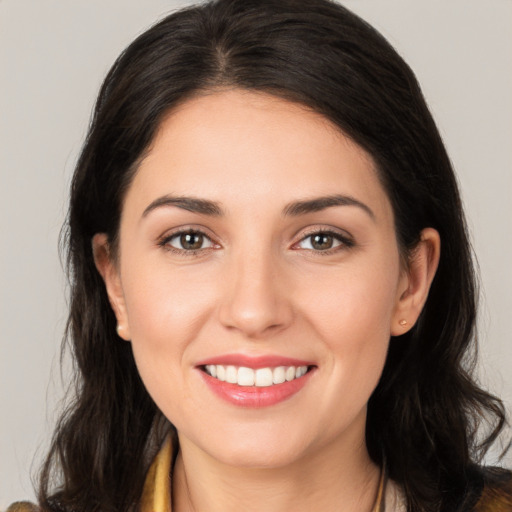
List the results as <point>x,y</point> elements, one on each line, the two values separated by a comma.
<point>254,362</point>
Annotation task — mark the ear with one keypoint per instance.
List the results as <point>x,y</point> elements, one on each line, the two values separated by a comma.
<point>415,282</point>
<point>109,271</point>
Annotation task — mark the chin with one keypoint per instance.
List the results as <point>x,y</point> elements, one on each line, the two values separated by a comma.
<point>255,446</point>
<point>260,457</point>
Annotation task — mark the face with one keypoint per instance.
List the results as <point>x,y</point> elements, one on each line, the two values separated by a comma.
<point>258,279</point>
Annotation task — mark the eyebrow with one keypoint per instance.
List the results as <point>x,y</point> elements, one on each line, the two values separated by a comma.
<point>321,203</point>
<point>191,204</point>
<point>293,209</point>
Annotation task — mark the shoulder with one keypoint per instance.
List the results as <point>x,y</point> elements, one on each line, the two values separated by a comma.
<point>496,495</point>
<point>23,506</point>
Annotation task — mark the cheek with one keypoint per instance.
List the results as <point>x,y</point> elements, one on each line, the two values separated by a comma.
<point>162,301</point>
<point>165,312</point>
<point>353,320</point>
<point>164,317</point>
<point>352,303</point>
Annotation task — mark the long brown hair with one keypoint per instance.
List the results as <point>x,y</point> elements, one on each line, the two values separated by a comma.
<point>424,416</point>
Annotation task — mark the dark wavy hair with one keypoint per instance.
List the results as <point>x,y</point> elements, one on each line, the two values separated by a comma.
<point>425,415</point>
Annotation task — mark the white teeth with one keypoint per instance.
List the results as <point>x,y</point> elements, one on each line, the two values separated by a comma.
<point>211,369</point>
<point>245,376</point>
<point>279,375</point>
<point>262,377</point>
<point>231,375</point>
<point>221,372</point>
<point>300,371</point>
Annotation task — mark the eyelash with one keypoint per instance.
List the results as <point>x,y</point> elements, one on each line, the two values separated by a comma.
<point>165,242</point>
<point>346,242</point>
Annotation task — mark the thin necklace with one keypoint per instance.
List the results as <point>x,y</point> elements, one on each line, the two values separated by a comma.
<point>380,502</point>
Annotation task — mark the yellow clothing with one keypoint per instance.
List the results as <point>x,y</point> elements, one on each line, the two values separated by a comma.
<point>156,496</point>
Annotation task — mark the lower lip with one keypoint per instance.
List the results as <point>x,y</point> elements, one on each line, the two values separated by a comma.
<point>254,396</point>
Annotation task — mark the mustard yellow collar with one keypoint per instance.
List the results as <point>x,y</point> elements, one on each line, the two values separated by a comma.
<point>156,496</point>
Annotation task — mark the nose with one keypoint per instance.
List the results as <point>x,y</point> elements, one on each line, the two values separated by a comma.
<point>255,300</point>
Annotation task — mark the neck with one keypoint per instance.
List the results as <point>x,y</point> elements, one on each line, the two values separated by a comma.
<point>339,477</point>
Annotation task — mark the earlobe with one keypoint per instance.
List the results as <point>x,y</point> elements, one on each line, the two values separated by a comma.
<point>109,271</point>
<point>415,282</point>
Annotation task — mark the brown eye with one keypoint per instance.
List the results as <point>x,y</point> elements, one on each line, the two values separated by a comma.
<point>322,241</point>
<point>189,241</point>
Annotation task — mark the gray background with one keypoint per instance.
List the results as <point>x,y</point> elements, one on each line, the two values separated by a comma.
<point>53,55</point>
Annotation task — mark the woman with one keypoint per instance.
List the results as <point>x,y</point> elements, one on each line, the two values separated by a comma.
<point>273,296</point>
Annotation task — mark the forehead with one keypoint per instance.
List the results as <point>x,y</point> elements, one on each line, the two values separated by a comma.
<point>237,147</point>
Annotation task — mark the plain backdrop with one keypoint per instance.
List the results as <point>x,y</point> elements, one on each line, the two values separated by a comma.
<point>53,56</point>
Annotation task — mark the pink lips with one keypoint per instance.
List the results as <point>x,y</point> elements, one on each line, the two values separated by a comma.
<point>253,396</point>
<point>255,362</point>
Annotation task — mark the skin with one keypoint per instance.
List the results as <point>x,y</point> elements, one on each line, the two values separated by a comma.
<point>258,286</point>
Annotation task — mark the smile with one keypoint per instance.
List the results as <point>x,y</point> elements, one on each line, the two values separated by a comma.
<point>261,377</point>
